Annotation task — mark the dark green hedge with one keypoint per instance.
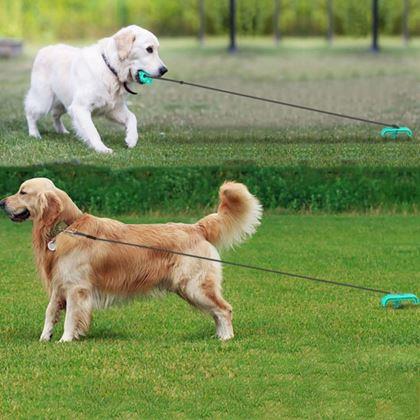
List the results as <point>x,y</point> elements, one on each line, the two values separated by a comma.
<point>183,189</point>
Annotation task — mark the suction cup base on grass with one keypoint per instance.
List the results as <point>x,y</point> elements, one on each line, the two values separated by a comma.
<point>393,132</point>
<point>144,78</point>
<point>397,299</point>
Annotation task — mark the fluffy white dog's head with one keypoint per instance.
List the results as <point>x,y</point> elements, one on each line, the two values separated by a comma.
<point>133,49</point>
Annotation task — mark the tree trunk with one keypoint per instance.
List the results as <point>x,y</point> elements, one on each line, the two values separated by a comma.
<point>330,12</point>
<point>406,34</point>
<point>276,23</point>
<point>375,25</point>
<point>232,26</point>
<point>202,17</point>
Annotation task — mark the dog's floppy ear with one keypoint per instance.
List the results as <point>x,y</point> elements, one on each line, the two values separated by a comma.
<point>50,207</point>
<point>124,40</point>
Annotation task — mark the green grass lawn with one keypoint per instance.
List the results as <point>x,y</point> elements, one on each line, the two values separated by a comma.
<point>301,349</point>
<point>185,126</point>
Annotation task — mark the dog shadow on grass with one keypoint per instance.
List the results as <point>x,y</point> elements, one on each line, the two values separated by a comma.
<point>102,335</point>
<point>202,335</point>
<point>197,336</point>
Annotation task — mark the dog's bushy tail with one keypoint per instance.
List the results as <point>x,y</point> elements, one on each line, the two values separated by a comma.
<point>237,217</point>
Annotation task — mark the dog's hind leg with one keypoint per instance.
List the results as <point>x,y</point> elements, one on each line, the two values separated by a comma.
<point>52,315</point>
<point>58,110</point>
<point>78,313</point>
<point>220,309</point>
<point>206,295</point>
<point>38,103</point>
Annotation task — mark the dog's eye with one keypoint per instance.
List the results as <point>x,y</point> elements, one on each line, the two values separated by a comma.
<point>23,192</point>
<point>149,50</point>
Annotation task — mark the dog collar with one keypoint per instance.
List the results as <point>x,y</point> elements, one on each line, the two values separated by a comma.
<point>114,72</point>
<point>54,232</point>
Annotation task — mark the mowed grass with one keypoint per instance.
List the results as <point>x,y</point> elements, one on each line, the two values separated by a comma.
<point>181,125</point>
<point>301,349</point>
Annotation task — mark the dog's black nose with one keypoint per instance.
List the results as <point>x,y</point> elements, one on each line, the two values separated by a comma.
<point>3,204</point>
<point>163,70</point>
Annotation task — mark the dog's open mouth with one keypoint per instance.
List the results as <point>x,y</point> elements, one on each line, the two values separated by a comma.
<point>20,217</point>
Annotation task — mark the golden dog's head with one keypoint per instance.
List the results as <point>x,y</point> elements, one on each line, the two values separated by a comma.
<point>37,199</point>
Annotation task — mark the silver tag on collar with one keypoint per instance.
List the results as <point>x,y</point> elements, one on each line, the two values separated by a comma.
<point>52,246</point>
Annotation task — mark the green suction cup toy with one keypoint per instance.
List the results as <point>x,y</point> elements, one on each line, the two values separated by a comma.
<point>144,78</point>
<point>393,132</point>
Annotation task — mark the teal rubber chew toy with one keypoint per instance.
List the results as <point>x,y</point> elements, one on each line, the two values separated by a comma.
<point>393,132</point>
<point>396,299</point>
<point>144,78</point>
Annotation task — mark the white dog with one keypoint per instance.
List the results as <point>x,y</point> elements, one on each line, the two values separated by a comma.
<point>82,81</point>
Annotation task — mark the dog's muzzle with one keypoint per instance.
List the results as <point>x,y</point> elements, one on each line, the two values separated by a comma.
<point>15,217</point>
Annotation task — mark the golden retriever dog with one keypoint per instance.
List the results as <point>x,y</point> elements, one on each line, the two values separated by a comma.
<point>91,80</point>
<point>81,274</point>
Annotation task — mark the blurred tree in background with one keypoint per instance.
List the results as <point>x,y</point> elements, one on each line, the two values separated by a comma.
<point>78,19</point>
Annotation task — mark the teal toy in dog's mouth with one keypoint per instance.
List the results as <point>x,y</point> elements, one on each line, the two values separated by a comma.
<point>144,78</point>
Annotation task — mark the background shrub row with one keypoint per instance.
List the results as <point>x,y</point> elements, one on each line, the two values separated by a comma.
<point>64,19</point>
<point>189,189</point>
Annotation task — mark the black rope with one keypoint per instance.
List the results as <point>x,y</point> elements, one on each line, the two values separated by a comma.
<point>273,101</point>
<point>235,264</point>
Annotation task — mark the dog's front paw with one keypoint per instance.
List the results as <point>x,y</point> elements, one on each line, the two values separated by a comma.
<point>45,336</point>
<point>65,339</point>
<point>131,141</point>
<point>103,149</point>
<point>35,134</point>
<point>225,337</point>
